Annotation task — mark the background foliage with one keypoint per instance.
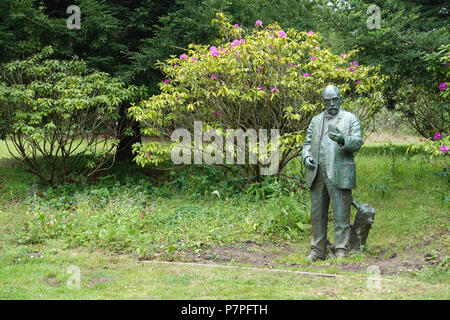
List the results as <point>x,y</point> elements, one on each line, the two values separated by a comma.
<point>127,38</point>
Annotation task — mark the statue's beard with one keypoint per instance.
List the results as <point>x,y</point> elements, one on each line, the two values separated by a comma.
<point>333,111</point>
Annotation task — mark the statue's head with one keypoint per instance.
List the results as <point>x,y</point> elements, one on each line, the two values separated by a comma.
<point>331,99</point>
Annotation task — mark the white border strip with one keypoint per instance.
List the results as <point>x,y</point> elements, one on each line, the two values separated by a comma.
<point>318,274</point>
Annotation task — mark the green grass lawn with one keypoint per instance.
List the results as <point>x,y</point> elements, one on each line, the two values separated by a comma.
<point>117,229</point>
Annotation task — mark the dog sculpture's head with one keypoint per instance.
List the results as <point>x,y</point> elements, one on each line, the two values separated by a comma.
<point>366,213</point>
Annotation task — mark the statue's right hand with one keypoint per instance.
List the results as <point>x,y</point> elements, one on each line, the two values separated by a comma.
<point>309,163</point>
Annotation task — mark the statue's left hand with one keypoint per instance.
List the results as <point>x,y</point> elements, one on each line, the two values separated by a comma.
<point>337,136</point>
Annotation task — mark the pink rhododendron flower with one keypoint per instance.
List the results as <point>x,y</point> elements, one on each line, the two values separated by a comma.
<point>224,50</point>
<point>358,82</point>
<point>355,63</point>
<point>339,68</point>
<point>317,47</point>
<point>236,25</point>
<point>217,113</point>
<point>258,23</point>
<point>183,56</point>
<point>282,34</point>
<point>261,88</point>
<point>175,65</point>
<point>437,136</point>
<point>193,59</point>
<point>214,51</point>
<point>310,32</point>
<point>238,54</point>
<point>269,46</point>
<point>351,69</point>
<point>444,149</point>
<point>443,86</point>
<point>259,69</point>
<point>306,75</point>
<point>241,40</point>
<point>147,155</point>
<point>235,43</point>
<point>214,76</point>
<point>343,55</point>
<point>313,58</point>
<point>274,90</point>
<point>272,35</point>
<point>167,81</point>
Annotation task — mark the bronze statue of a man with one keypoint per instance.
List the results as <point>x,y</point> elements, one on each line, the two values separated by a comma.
<point>331,140</point>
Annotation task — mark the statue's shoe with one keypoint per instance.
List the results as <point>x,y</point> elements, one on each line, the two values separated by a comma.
<point>341,253</point>
<point>312,257</point>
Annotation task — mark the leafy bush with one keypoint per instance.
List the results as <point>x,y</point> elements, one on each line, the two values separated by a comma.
<point>292,218</point>
<point>288,213</point>
<point>427,106</point>
<point>426,111</point>
<point>138,217</point>
<point>268,188</point>
<point>438,147</point>
<point>60,119</point>
<point>263,78</point>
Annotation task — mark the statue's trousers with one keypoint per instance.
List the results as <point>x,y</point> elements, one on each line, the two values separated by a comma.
<point>322,190</point>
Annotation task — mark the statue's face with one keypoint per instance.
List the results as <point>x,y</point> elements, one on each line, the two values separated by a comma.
<point>332,102</point>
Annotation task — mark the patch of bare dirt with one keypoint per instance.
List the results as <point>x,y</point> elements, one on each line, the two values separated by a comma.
<point>268,255</point>
<point>263,255</point>
<point>388,266</point>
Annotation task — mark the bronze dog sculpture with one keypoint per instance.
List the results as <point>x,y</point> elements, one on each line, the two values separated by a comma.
<point>360,227</point>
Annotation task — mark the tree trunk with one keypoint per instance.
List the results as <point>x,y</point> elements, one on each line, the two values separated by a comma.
<point>124,149</point>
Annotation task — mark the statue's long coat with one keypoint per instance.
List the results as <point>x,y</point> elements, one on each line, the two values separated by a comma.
<point>339,161</point>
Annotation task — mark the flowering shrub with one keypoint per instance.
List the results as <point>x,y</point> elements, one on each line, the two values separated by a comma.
<point>264,78</point>
<point>438,63</point>
<point>426,109</point>
<point>427,106</point>
<point>439,147</point>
